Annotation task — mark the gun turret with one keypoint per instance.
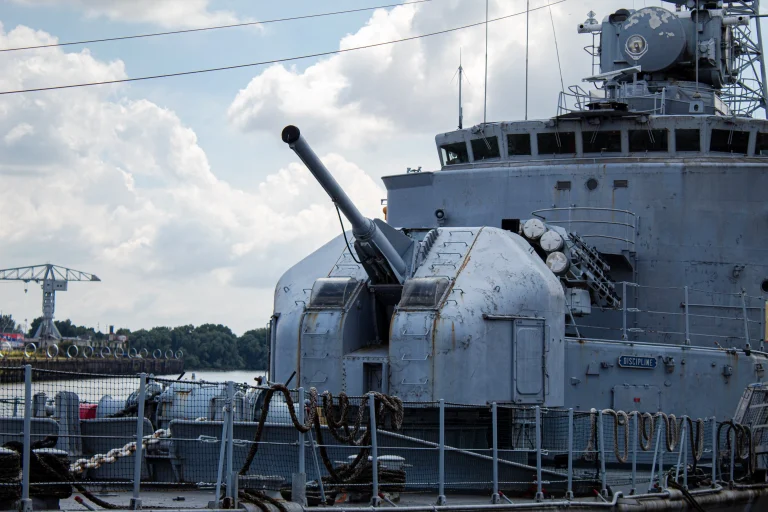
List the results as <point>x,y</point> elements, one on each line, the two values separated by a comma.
<point>379,246</point>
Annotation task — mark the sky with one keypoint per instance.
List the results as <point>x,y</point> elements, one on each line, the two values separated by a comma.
<point>178,193</point>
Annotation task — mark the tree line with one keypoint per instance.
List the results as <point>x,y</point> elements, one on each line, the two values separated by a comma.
<point>205,347</point>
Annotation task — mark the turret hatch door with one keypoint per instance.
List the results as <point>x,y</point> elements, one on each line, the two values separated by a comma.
<point>529,365</point>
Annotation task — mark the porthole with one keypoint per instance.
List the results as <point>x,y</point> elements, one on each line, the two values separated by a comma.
<point>764,286</point>
<point>591,184</point>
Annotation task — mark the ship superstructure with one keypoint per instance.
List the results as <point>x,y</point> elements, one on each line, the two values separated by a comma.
<point>613,256</point>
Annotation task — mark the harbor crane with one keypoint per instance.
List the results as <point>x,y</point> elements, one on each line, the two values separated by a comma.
<point>54,279</point>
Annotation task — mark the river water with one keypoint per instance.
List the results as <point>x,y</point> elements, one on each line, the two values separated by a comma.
<point>90,389</point>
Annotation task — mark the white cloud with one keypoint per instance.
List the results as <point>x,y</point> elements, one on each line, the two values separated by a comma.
<point>18,132</point>
<point>405,89</point>
<point>164,13</point>
<point>121,187</point>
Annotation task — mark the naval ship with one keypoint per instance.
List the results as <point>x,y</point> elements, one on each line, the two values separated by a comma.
<point>608,260</point>
<point>612,256</point>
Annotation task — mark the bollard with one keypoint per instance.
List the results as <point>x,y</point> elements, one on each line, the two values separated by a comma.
<point>136,500</point>
<point>495,440</point>
<point>441,456</point>
<point>539,493</point>
<point>569,491</point>
<point>375,500</point>
<point>26,503</point>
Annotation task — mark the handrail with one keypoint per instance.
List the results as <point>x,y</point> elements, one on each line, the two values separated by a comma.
<point>629,224</point>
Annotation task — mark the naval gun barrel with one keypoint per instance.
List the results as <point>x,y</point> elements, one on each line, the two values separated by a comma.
<point>364,229</point>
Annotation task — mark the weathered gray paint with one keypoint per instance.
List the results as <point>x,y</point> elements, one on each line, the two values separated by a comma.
<point>663,220</point>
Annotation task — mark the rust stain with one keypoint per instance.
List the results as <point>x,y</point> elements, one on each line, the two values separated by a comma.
<point>453,335</point>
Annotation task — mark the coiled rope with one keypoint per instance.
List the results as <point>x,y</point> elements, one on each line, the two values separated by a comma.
<point>647,424</point>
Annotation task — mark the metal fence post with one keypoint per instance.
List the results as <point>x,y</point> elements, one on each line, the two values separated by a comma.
<point>680,452</point>
<point>26,502</point>
<point>687,320</point>
<point>302,441</point>
<point>375,500</point>
<point>441,456</point>
<point>138,454</point>
<point>299,479</point>
<point>634,453</point>
<point>495,450</point>
<point>231,476</point>
<point>732,435</point>
<point>655,455</point>
<point>222,455</point>
<point>714,452</point>
<point>685,460</point>
<point>569,490</point>
<point>601,448</point>
<point>539,493</point>
<point>624,311</point>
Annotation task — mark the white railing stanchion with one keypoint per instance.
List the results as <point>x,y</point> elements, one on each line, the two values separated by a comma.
<point>634,453</point>
<point>136,499</point>
<point>375,499</point>
<point>26,502</point>
<point>441,456</point>
<point>495,441</point>
<point>569,490</point>
<point>539,493</point>
<point>601,449</point>
<point>231,475</point>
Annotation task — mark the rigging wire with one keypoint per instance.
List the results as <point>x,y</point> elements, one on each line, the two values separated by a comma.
<point>343,232</point>
<point>203,29</point>
<point>557,51</point>
<point>274,61</point>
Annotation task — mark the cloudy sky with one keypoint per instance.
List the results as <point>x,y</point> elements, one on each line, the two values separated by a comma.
<point>178,193</point>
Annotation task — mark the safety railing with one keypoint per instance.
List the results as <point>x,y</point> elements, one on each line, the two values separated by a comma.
<point>234,442</point>
<point>685,315</point>
<point>576,99</point>
<point>606,224</point>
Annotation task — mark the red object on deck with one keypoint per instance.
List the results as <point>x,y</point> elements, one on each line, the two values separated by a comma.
<point>88,411</point>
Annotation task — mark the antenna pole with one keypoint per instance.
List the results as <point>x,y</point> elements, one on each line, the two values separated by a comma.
<point>485,95</point>
<point>461,113</point>
<point>527,14</point>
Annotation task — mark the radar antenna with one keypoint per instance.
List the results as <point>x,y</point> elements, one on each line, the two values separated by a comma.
<point>460,72</point>
<point>54,279</point>
<point>748,93</point>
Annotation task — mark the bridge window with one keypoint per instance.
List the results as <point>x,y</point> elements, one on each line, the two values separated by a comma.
<point>519,144</point>
<point>557,143</point>
<point>729,141</point>
<point>455,153</point>
<point>647,140</point>
<point>687,140</point>
<point>486,147</point>
<point>761,144</point>
<point>602,141</point>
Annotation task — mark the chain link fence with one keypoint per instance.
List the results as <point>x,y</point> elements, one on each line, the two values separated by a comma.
<point>115,438</point>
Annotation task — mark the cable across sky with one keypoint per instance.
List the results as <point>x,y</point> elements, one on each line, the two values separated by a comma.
<point>204,29</point>
<point>275,61</point>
